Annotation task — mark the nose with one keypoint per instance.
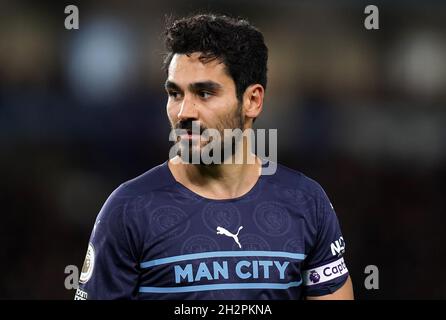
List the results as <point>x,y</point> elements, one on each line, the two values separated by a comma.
<point>188,111</point>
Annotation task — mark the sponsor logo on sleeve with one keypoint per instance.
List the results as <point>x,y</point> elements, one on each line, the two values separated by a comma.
<point>338,247</point>
<point>325,273</point>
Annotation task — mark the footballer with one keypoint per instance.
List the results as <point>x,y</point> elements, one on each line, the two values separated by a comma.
<point>192,230</point>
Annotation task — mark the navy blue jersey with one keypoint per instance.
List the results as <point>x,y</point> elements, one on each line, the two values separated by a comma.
<point>156,239</point>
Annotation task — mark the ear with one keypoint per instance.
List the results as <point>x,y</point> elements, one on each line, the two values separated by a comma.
<point>253,101</point>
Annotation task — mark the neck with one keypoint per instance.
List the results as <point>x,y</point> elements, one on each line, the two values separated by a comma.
<point>219,181</point>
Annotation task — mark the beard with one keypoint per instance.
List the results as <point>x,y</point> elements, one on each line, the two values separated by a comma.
<point>225,147</point>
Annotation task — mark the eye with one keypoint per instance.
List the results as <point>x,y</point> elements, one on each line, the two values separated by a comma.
<point>204,94</point>
<point>173,94</point>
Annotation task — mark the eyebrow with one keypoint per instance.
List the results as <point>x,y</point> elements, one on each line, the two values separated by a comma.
<point>196,86</point>
<point>171,85</point>
<point>205,85</point>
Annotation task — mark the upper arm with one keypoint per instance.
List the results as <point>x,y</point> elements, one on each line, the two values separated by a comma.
<point>110,270</point>
<point>325,273</point>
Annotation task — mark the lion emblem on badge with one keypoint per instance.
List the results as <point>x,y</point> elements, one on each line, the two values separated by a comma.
<point>314,276</point>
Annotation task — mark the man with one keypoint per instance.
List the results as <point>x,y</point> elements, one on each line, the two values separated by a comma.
<point>187,230</point>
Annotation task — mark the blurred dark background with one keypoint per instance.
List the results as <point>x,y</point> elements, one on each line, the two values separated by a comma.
<point>362,112</point>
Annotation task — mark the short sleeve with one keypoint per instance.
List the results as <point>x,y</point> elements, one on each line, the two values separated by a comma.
<point>325,270</point>
<point>110,269</point>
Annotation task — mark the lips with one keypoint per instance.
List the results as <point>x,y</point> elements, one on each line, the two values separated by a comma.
<point>190,135</point>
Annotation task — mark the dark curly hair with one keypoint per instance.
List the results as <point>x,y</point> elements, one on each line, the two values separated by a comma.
<point>238,44</point>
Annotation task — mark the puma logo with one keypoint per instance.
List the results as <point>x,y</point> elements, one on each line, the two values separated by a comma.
<point>221,230</point>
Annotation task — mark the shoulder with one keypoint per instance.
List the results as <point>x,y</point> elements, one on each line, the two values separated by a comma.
<point>136,190</point>
<point>303,193</point>
<point>287,178</point>
<point>155,178</point>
